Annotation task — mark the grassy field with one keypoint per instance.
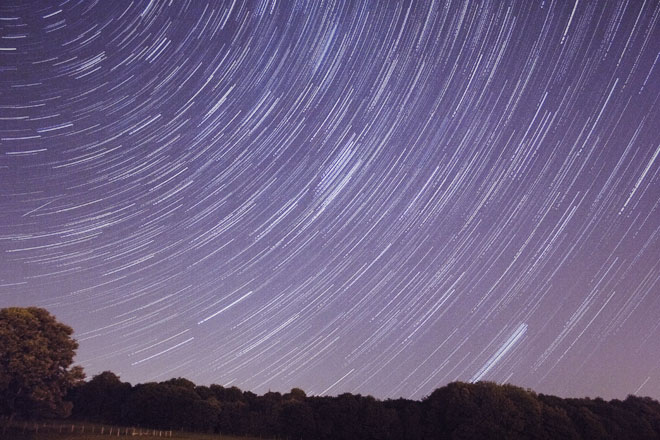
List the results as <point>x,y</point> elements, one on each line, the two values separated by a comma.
<point>77,436</point>
<point>81,431</point>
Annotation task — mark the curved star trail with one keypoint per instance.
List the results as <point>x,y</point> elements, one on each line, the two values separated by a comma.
<point>374,197</point>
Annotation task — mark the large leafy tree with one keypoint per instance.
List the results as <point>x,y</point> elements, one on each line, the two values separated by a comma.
<point>36,353</point>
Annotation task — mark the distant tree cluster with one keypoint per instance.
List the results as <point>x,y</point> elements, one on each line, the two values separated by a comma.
<point>37,381</point>
<point>459,410</point>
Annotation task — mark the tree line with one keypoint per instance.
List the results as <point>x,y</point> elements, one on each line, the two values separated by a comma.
<point>456,411</point>
<point>37,381</point>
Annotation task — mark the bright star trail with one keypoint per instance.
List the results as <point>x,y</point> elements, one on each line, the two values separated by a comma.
<point>377,197</point>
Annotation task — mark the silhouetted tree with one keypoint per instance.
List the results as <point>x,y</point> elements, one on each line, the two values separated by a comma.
<point>204,392</point>
<point>483,410</point>
<point>297,421</point>
<point>295,394</point>
<point>223,394</point>
<point>180,382</point>
<point>169,405</point>
<point>233,418</point>
<point>101,398</point>
<point>409,414</point>
<point>646,408</point>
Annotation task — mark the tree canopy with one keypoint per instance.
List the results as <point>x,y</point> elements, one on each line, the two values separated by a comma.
<point>36,353</point>
<point>455,411</point>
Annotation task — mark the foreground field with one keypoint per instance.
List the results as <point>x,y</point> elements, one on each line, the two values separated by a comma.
<point>99,432</point>
<point>76,436</point>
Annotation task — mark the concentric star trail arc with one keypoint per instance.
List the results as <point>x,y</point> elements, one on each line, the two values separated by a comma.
<point>374,197</point>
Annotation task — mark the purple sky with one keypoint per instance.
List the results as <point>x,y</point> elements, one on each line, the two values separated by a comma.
<point>374,196</point>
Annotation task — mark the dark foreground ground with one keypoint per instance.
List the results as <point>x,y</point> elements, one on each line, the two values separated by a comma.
<point>48,430</point>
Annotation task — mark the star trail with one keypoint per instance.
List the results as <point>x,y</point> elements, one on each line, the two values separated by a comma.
<point>377,197</point>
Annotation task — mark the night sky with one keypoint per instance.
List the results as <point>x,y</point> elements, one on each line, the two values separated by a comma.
<point>378,197</point>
